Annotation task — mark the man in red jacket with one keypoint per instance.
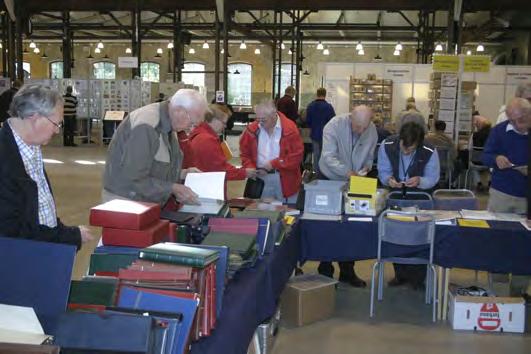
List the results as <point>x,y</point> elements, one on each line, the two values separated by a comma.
<point>272,144</point>
<point>206,146</point>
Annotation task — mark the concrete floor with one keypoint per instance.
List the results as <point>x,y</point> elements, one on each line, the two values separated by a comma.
<point>402,323</point>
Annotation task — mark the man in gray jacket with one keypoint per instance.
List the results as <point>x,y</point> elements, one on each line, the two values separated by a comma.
<point>144,158</point>
<point>349,142</point>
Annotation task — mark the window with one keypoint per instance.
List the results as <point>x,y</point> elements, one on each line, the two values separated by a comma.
<point>150,71</point>
<point>56,70</point>
<point>240,84</point>
<point>26,67</point>
<point>104,70</point>
<point>286,72</point>
<point>194,78</point>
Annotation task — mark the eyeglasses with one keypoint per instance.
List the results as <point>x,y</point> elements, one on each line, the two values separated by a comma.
<point>58,125</point>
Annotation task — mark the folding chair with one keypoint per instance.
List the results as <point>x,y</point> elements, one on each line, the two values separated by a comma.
<point>418,231</point>
<point>455,199</point>
<point>422,200</point>
<point>474,156</point>
<point>446,166</point>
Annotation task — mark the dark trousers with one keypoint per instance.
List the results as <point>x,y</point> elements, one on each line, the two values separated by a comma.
<point>413,274</point>
<point>68,130</point>
<point>346,269</point>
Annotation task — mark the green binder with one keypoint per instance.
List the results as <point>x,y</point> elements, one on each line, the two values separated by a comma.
<point>92,292</point>
<point>109,263</point>
<point>175,253</point>
<point>240,244</point>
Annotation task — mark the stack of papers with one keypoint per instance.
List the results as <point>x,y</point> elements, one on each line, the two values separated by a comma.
<point>477,214</point>
<point>210,187</point>
<point>312,216</point>
<point>19,324</point>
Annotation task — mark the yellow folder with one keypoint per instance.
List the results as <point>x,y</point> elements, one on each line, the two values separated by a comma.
<point>483,224</point>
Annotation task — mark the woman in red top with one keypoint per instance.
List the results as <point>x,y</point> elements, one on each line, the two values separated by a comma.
<point>206,146</point>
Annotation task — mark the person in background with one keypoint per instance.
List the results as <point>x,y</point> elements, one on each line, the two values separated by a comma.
<point>318,113</point>
<point>522,91</point>
<point>405,159</point>
<point>481,132</point>
<point>440,140</point>
<point>27,205</point>
<point>273,146</point>
<point>287,104</point>
<point>70,111</point>
<point>144,158</point>
<point>349,141</point>
<point>411,114</point>
<point>5,100</point>
<point>205,144</point>
<point>507,153</point>
<point>383,133</point>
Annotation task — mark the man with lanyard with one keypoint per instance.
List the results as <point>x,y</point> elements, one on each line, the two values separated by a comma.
<point>406,162</point>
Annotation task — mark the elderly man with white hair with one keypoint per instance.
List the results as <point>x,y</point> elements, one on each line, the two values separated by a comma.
<point>349,141</point>
<point>522,91</point>
<point>144,158</point>
<point>27,205</point>
<point>273,146</point>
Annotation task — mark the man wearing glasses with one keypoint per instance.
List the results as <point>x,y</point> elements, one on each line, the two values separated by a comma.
<point>273,146</point>
<point>144,159</point>
<point>27,206</point>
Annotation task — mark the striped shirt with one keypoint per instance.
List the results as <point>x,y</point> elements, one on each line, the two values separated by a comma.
<point>32,159</point>
<point>70,105</point>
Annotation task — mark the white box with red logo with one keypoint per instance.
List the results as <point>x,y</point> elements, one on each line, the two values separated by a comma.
<point>487,314</point>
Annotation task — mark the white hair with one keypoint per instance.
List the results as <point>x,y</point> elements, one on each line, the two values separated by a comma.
<point>34,99</point>
<point>267,107</point>
<point>361,114</point>
<point>188,99</point>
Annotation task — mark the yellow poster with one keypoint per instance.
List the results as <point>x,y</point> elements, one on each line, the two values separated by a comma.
<point>477,64</point>
<point>446,63</point>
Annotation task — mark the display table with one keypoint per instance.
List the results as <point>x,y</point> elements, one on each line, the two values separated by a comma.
<point>250,298</point>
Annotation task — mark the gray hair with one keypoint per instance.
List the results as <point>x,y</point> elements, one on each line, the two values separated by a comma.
<point>362,114</point>
<point>34,99</point>
<point>518,105</point>
<point>411,116</point>
<point>267,106</point>
<point>523,90</point>
<point>189,99</point>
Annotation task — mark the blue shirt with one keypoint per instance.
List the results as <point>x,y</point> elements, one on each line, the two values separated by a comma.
<point>385,170</point>
<point>504,140</point>
<point>318,113</point>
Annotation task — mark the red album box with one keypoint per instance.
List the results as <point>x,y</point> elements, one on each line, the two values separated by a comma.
<point>154,233</point>
<point>125,214</point>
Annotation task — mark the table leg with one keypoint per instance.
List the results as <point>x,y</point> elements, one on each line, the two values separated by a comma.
<point>440,282</point>
<point>445,295</point>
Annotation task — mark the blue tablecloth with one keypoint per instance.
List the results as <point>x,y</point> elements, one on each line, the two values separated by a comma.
<point>505,247</point>
<point>250,298</point>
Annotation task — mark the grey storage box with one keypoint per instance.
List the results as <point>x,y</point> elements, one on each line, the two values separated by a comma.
<point>267,333</point>
<point>324,197</point>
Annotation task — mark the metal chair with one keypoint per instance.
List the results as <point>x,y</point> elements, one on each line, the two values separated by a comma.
<point>445,164</point>
<point>474,155</point>
<point>455,199</point>
<point>419,231</point>
<point>421,200</point>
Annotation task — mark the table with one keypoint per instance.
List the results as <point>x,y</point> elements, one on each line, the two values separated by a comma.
<point>250,298</point>
<point>505,247</point>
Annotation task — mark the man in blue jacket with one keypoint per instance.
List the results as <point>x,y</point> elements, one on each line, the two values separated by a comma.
<point>318,113</point>
<point>506,152</point>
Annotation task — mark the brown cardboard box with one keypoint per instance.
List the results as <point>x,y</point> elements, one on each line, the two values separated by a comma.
<point>308,298</point>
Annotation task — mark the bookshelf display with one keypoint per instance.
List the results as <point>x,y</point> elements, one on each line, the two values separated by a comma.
<point>374,93</point>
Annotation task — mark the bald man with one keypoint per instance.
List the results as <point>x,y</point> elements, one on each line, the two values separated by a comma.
<point>349,142</point>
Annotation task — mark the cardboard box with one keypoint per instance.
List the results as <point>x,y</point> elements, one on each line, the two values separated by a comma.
<point>370,205</point>
<point>308,298</point>
<point>486,314</point>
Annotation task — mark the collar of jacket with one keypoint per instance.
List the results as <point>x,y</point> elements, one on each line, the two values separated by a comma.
<point>254,127</point>
<point>204,127</point>
<point>164,114</point>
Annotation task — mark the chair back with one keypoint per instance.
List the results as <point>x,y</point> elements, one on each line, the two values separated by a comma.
<point>422,200</point>
<point>455,199</point>
<point>406,229</point>
<point>475,153</point>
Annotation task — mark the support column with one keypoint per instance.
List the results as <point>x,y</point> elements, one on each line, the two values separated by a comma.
<point>226,20</point>
<point>216,55</point>
<point>4,44</point>
<point>136,43</point>
<point>279,66</point>
<point>18,49</point>
<point>276,46</point>
<point>10,55</point>
<point>178,49</point>
<point>67,46</point>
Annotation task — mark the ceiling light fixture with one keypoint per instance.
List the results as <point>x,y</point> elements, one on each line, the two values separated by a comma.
<point>326,51</point>
<point>361,52</point>
<point>205,45</point>
<point>128,50</point>
<point>97,50</point>
<point>290,52</point>
<point>222,51</point>
<point>36,50</point>
<point>32,45</point>
<point>243,45</point>
<point>320,46</point>
<point>398,46</point>
<point>257,51</point>
<point>282,45</point>
<point>306,73</point>
<point>100,45</point>
<point>159,51</point>
<point>439,47</point>
<point>480,48</point>
<point>396,52</point>
<point>469,52</point>
<point>44,54</point>
<point>170,45</point>
<point>236,72</point>
<point>359,46</point>
<point>191,50</point>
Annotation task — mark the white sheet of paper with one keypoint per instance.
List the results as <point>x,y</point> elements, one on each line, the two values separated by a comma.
<point>477,214</point>
<point>354,218</point>
<point>208,185</point>
<point>445,222</point>
<point>19,324</point>
<point>524,224</point>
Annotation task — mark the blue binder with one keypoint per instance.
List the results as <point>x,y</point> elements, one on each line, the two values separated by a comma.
<point>222,265</point>
<point>36,274</point>
<point>104,332</point>
<point>265,236</point>
<point>137,299</point>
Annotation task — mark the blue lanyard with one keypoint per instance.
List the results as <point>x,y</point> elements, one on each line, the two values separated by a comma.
<point>404,170</point>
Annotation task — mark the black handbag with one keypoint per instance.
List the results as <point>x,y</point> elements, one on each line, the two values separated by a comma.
<point>254,188</point>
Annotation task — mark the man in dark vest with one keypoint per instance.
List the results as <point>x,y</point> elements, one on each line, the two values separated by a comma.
<point>404,160</point>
